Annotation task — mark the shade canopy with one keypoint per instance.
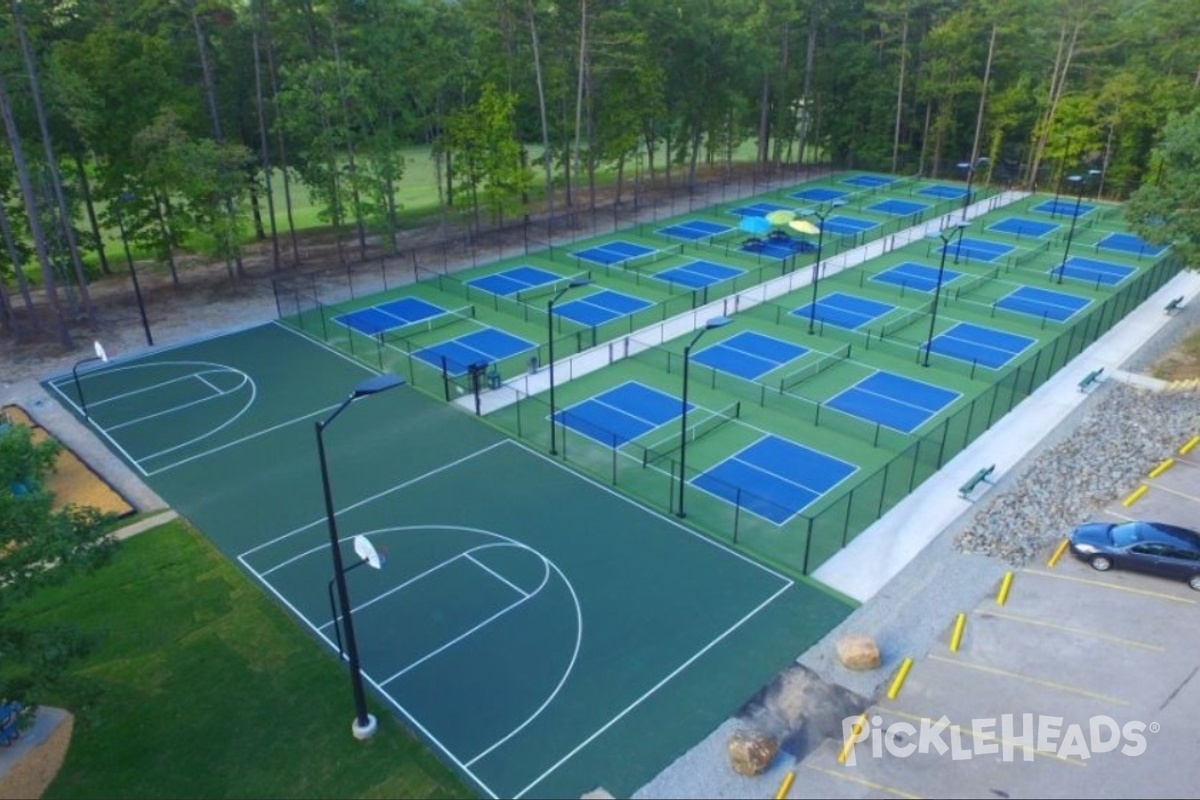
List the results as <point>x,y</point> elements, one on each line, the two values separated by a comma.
<point>804,226</point>
<point>781,216</point>
<point>754,224</point>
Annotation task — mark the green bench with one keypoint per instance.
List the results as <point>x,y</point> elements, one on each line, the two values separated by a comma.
<point>979,477</point>
<point>1090,378</point>
<point>1174,305</point>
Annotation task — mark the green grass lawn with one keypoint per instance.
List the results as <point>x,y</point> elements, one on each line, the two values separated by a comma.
<point>207,688</point>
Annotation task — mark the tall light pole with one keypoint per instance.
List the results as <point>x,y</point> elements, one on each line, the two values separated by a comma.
<point>971,168</point>
<point>137,289</point>
<point>937,291</point>
<point>1081,180</point>
<point>574,284</point>
<point>364,723</point>
<point>812,212</point>
<point>715,322</point>
<point>100,356</point>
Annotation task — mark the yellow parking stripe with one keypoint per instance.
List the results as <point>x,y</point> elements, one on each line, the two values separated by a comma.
<point>1158,487</point>
<point>1081,631</point>
<point>1103,585</point>
<point>879,787</point>
<point>1062,687</point>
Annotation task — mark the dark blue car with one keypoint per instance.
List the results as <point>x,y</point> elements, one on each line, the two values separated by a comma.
<point>1154,547</point>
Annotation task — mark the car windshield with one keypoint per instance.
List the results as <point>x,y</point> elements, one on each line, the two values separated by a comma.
<point>1126,533</point>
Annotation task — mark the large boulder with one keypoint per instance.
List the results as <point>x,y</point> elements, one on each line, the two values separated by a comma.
<point>858,652</point>
<point>751,751</point>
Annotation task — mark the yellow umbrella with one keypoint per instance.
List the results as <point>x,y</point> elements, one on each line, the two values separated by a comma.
<point>781,216</point>
<point>804,226</point>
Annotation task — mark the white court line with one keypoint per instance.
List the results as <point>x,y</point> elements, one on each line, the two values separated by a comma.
<point>498,576</point>
<point>172,409</point>
<point>403,485</point>
<point>650,692</point>
<point>470,631</point>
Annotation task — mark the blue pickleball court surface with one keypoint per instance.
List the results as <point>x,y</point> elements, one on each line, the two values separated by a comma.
<point>749,354</point>
<point>621,414</point>
<point>899,208</point>
<point>894,401</point>
<point>514,280</point>
<point>976,249</point>
<point>600,307</point>
<point>774,478</point>
<point>942,192</point>
<point>1129,243</point>
<point>388,316</point>
<point>1090,270</point>
<point>698,274</point>
<point>984,346</point>
<point>613,252</point>
<point>481,346</point>
<point>910,275</point>
<point>758,209</point>
<point>818,194</point>
<point>1063,208</point>
<point>868,181</point>
<point>848,226</point>
<point>1043,303</point>
<point>693,230</point>
<point>844,310</point>
<point>1017,226</point>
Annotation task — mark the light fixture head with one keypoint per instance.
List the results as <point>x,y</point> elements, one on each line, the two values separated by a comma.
<point>377,383</point>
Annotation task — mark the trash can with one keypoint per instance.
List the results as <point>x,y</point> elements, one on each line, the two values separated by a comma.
<point>533,364</point>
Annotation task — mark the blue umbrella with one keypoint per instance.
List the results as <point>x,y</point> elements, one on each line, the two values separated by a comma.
<point>753,224</point>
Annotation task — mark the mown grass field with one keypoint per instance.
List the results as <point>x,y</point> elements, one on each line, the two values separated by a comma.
<point>201,686</point>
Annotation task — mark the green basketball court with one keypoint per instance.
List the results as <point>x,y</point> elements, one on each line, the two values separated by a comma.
<point>544,633</point>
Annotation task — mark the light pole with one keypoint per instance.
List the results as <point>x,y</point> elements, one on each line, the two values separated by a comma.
<point>574,284</point>
<point>970,167</point>
<point>364,723</point>
<point>812,212</point>
<point>715,322</point>
<point>100,356</point>
<point>937,290</point>
<point>1082,181</point>
<point>137,289</point>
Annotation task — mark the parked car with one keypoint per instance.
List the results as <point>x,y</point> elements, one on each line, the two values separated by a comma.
<point>1154,547</point>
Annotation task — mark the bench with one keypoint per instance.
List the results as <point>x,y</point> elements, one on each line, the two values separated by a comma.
<point>1090,378</point>
<point>1174,305</point>
<point>979,477</point>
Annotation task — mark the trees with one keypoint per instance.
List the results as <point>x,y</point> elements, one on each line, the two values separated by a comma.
<point>39,546</point>
<point>330,91</point>
<point>1166,210</point>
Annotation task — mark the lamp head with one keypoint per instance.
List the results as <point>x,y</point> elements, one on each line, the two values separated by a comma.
<point>836,203</point>
<point>717,322</point>
<point>376,384</point>
<point>577,282</point>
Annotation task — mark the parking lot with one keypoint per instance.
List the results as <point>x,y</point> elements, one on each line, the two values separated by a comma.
<point>1082,683</point>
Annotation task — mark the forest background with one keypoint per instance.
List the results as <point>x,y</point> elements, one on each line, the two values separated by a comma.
<point>183,132</point>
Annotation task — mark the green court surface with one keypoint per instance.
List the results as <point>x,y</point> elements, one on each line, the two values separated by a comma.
<point>545,634</point>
